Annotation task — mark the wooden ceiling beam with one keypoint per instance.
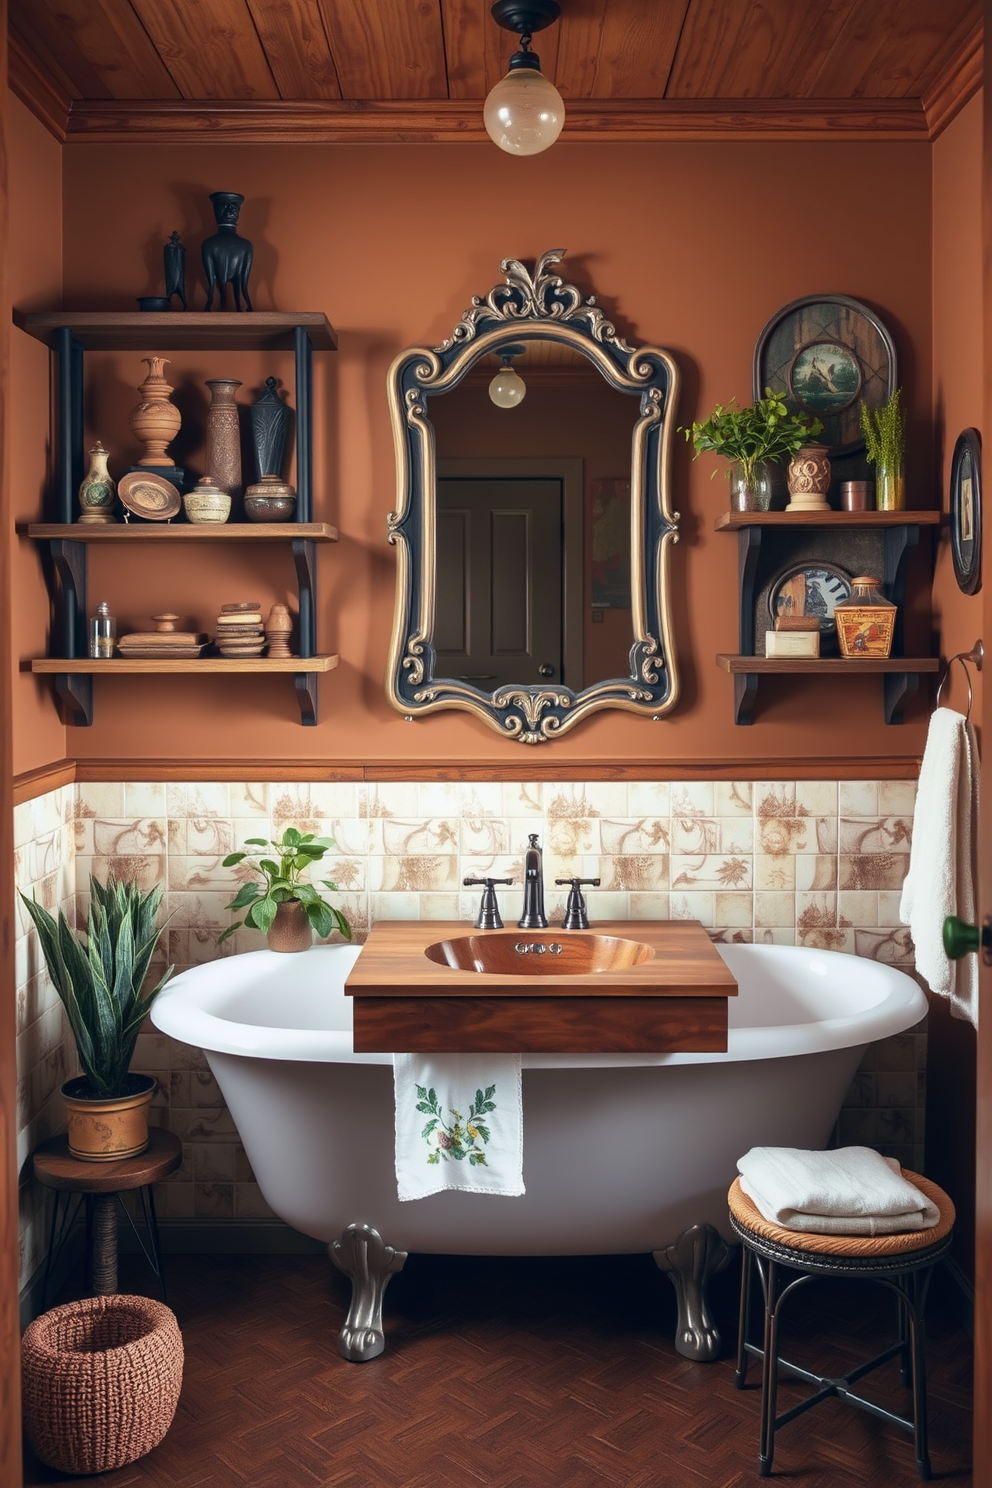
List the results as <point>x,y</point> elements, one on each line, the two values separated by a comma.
<point>433,121</point>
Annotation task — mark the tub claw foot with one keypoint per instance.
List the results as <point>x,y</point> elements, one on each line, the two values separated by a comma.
<point>362,1254</point>
<point>697,1254</point>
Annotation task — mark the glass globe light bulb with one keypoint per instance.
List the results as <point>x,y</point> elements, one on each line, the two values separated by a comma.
<point>524,113</point>
<point>507,388</point>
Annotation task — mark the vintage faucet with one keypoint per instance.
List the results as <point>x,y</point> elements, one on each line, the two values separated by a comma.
<point>533,917</point>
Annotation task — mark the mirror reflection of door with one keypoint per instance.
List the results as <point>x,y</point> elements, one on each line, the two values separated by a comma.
<point>498,604</point>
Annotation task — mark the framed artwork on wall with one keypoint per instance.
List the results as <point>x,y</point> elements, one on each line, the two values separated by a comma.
<point>824,354</point>
<point>966,511</point>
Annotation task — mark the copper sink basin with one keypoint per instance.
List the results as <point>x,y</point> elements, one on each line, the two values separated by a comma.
<point>540,953</point>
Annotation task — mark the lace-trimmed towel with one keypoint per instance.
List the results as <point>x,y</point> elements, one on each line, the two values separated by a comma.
<point>459,1124</point>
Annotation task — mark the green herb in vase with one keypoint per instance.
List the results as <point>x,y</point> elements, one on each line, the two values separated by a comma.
<point>884,431</point>
<point>752,438</point>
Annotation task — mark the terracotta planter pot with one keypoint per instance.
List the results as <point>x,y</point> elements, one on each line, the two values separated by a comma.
<point>291,930</point>
<point>105,1130</point>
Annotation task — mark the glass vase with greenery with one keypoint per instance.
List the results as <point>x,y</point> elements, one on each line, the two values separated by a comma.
<point>884,431</point>
<point>752,438</point>
<point>279,890</point>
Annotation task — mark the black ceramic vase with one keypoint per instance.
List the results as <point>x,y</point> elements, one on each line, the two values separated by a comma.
<point>269,430</point>
<point>175,269</point>
<point>226,256</point>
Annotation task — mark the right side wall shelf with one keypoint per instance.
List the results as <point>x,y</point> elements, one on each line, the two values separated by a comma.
<point>767,540</point>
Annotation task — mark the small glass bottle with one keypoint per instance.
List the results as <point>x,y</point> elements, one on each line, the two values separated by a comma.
<point>103,631</point>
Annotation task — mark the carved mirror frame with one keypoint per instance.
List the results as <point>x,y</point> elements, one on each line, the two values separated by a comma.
<point>536,306</point>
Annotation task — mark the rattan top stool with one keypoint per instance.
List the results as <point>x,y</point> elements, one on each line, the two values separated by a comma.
<point>904,1263</point>
<point>99,1185</point>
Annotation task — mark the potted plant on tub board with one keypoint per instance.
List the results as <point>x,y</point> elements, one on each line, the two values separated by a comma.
<point>100,977</point>
<point>278,901</point>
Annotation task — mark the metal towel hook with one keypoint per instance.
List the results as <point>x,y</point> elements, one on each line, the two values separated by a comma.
<point>976,656</point>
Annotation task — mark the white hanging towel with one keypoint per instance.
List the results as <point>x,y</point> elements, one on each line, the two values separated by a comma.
<point>942,876</point>
<point>459,1124</point>
<point>851,1191</point>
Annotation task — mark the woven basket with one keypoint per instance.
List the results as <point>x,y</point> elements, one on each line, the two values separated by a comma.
<point>101,1379</point>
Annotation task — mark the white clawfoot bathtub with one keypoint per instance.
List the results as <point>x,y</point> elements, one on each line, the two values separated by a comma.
<point>622,1152</point>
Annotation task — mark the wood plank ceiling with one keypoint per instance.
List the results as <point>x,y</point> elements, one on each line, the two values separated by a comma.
<point>418,69</point>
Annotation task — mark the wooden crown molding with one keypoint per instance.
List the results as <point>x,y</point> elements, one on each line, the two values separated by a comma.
<point>445,121</point>
<point>956,85</point>
<point>34,783</point>
<point>37,89</point>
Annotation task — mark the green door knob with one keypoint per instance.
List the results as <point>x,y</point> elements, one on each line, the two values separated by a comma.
<point>960,939</point>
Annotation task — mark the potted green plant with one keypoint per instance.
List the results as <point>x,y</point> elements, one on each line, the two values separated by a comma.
<point>884,431</point>
<point>752,439</point>
<point>277,900</point>
<point>100,976</point>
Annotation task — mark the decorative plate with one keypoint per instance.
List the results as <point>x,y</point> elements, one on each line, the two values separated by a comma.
<point>149,496</point>
<point>966,511</point>
<point>809,589</point>
<point>825,354</point>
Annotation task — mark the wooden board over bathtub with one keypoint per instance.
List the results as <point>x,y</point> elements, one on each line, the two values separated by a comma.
<point>632,986</point>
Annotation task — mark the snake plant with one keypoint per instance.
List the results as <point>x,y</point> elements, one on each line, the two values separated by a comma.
<point>100,976</point>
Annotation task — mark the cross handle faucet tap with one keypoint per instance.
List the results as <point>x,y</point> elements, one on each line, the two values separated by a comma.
<point>576,915</point>
<point>489,916</point>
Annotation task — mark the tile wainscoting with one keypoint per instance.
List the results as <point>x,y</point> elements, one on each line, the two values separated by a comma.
<point>816,863</point>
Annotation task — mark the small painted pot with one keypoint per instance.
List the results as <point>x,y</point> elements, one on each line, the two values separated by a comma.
<point>270,500</point>
<point>207,502</point>
<point>105,1130</point>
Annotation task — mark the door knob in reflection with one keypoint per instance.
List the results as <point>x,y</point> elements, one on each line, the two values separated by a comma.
<point>546,669</point>
<point>961,939</point>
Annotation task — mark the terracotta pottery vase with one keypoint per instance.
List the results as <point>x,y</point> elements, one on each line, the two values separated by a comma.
<point>98,491</point>
<point>223,435</point>
<point>291,929</point>
<point>809,479</point>
<point>104,1130</point>
<point>155,420</point>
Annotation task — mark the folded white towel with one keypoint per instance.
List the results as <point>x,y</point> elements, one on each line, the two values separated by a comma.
<point>459,1124</point>
<point>942,873</point>
<point>852,1191</point>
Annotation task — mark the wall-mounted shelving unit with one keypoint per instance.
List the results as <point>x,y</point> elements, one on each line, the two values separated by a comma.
<point>897,534</point>
<point>70,334</point>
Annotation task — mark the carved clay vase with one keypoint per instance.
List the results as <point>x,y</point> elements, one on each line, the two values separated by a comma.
<point>278,629</point>
<point>290,930</point>
<point>269,427</point>
<point>809,479</point>
<point>223,435</point>
<point>155,420</point>
<point>98,490</point>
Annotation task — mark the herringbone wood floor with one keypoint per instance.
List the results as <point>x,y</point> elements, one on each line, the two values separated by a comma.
<point>515,1374</point>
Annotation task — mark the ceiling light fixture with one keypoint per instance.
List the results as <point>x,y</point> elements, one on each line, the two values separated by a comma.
<point>508,388</point>
<point>524,112</point>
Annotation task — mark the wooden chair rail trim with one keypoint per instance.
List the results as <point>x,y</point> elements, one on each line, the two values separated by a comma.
<point>38,782</point>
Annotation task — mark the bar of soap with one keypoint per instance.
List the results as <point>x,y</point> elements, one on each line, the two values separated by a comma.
<point>792,643</point>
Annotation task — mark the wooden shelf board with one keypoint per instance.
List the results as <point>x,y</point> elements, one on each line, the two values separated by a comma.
<point>734,521</point>
<point>202,664</point>
<point>180,330</point>
<point>165,532</point>
<point>837,665</point>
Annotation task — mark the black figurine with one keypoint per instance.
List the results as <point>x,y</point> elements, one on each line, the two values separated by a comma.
<point>226,256</point>
<point>175,269</point>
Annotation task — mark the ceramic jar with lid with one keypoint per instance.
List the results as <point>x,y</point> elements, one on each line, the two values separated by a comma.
<point>207,502</point>
<point>865,622</point>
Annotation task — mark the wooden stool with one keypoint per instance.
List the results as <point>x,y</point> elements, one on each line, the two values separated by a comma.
<point>99,1186</point>
<point>903,1263</point>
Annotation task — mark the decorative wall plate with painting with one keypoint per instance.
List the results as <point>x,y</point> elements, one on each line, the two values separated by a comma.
<point>811,589</point>
<point>149,496</point>
<point>824,354</point>
<point>966,511</point>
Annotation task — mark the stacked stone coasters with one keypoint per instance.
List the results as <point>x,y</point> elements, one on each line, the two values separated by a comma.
<point>239,629</point>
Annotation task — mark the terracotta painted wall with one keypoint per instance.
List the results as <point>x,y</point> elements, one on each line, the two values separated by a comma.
<point>957,360</point>
<point>691,246</point>
<point>35,165</point>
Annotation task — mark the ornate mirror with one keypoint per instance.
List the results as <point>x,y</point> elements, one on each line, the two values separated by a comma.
<point>533,518</point>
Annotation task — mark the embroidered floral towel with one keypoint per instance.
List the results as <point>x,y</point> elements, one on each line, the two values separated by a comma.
<point>458,1124</point>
